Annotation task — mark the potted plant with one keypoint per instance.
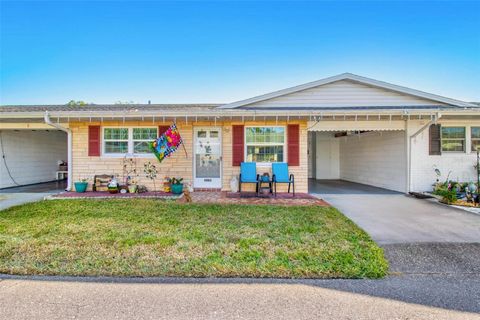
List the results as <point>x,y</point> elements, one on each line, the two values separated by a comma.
<point>167,184</point>
<point>81,185</point>
<point>176,185</point>
<point>132,187</point>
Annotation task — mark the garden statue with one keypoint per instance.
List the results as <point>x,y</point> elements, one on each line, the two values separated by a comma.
<point>234,184</point>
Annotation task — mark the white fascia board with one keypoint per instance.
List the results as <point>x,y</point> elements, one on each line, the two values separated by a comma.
<point>352,77</point>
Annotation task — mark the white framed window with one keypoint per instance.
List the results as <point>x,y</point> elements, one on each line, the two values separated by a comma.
<point>265,144</point>
<point>475,138</point>
<point>453,139</point>
<point>141,139</point>
<point>117,141</point>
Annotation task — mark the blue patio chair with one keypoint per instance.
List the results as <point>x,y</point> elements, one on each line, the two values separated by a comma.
<point>248,174</point>
<point>280,175</point>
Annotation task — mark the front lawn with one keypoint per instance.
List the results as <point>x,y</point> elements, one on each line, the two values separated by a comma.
<point>139,237</point>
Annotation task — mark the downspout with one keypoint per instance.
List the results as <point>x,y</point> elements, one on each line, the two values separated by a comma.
<point>69,147</point>
<point>436,117</point>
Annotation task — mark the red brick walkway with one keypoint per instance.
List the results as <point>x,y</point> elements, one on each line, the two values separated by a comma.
<point>220,197</point>
<point>107,195</point>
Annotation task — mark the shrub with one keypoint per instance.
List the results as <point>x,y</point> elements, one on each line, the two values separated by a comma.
<point>449,197</point>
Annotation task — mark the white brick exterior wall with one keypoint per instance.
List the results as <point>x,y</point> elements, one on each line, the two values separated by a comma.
<point>422,170</point>
<point>31,155</point>
<point>376,158</point>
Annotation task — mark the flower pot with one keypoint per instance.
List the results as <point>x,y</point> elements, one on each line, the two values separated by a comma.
<point>113,190</point>
<point>472,187</point>
<point>81,186</point>
<point>177,188</point>
<point>132,188</point>
<point>265,191</point>
<point>166,187</point>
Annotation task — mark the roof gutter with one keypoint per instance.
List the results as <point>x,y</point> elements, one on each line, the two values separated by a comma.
<point>235,113</point>
<point>69,147</point>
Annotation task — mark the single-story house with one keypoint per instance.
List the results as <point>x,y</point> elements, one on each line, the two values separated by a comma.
<point>344,127</point>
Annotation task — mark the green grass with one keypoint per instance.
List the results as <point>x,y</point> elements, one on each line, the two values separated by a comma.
<point>156,238</point>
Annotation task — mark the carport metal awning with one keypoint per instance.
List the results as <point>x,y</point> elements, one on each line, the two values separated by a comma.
<point>356,125</point>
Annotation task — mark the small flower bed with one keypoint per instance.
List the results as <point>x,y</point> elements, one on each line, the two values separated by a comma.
<point>457,193</point>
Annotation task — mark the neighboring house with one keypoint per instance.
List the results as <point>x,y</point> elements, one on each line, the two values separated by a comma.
<point>343,127</point>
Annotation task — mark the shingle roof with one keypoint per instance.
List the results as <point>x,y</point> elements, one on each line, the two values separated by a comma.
<point>108,107</point>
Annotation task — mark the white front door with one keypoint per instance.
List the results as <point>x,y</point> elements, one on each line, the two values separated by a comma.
<point>207,166</point>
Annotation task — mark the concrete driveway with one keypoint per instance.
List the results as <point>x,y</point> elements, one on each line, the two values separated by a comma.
<point>394,218</point>
<point>19,195</point>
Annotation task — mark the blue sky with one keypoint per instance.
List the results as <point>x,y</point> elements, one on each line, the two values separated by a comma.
<point>184,52</point>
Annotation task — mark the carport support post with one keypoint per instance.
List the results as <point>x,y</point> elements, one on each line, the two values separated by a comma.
<point>69,159</point>
<point>69,147</point>
<point>410,139</point>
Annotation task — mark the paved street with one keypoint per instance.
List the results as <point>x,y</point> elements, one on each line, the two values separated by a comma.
<point>408,297</point>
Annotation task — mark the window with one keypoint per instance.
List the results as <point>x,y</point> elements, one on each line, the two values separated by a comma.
<point>118,141</point>
<point>475,134</point>
<point>265,144</point>
<point>115,140</point>
<point>453,139</point>
<point>141,139</point>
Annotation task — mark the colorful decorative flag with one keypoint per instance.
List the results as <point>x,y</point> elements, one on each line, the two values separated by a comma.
<point>167,143</point>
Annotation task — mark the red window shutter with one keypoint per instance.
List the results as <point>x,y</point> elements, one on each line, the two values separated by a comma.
<point>293,144</point>
<point>94,141</point>
<point>237,145</point>
<point>162,129</point>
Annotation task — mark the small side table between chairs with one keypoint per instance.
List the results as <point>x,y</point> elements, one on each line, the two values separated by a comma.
<point>265,185</point>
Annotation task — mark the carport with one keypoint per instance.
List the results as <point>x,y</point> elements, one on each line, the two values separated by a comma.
<point>30,155</point>
<point>371,153</point>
